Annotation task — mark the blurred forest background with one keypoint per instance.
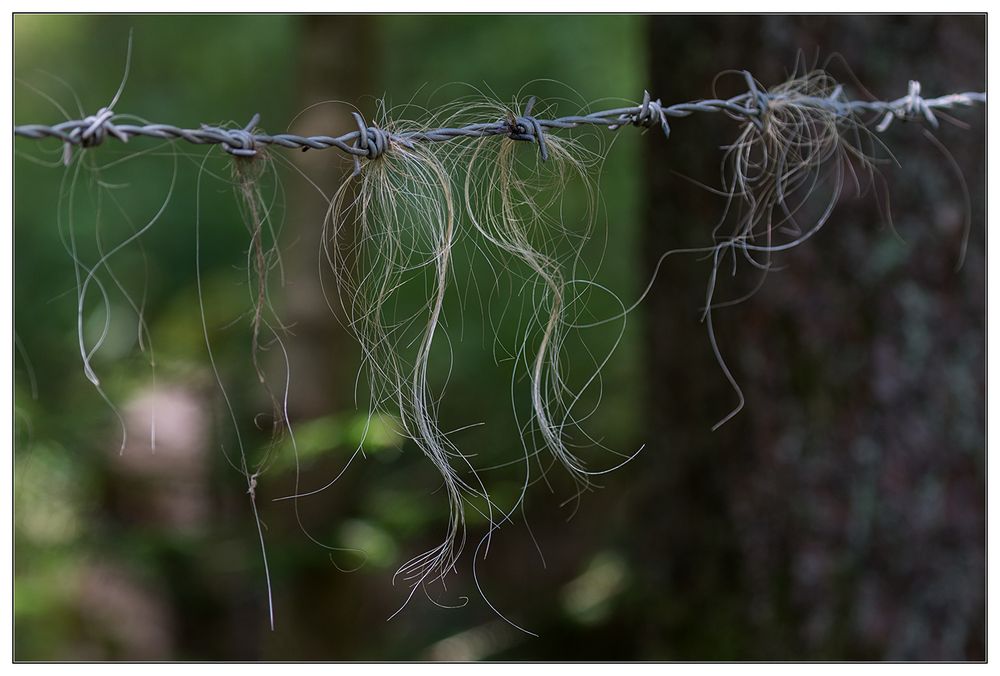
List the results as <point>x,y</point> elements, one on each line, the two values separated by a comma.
<point>840,515</point>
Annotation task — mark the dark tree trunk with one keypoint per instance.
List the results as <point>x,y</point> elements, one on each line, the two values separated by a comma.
<point>841,514</point>
<point>335,72</point>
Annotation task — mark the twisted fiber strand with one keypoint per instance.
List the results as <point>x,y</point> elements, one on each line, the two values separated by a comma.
<point>370,142</point>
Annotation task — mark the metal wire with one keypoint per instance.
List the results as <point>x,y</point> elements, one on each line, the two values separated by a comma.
<point>370,142</point>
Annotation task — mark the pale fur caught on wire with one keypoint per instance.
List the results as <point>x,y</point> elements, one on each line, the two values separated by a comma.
<point>389,229</point>
<point>518,207</point>
<point>798,147</point>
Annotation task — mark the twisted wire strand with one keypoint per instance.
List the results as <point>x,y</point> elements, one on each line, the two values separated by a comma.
<point>370,142</point>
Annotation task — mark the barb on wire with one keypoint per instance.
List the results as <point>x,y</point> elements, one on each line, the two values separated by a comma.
<point>371,142</point>
<point>526,127</point>
<point>236,142</point>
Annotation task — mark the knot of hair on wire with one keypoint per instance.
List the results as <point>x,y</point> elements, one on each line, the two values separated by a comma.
<point>757,101</point>
<point>373,141</point>
<point>525,127</point>
<point>910,107</point>
<point>241,142</point>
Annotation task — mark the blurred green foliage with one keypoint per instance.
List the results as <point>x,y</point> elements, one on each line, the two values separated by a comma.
<point>92,526</point>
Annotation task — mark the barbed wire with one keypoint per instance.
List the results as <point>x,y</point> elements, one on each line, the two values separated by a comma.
<point>371,141</point>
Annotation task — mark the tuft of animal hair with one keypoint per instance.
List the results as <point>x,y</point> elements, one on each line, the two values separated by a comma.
<point>388,238</point>
<point>93,269</point>
<point>261,214</point>
<point>799,148</point>
<point>519,206</point>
